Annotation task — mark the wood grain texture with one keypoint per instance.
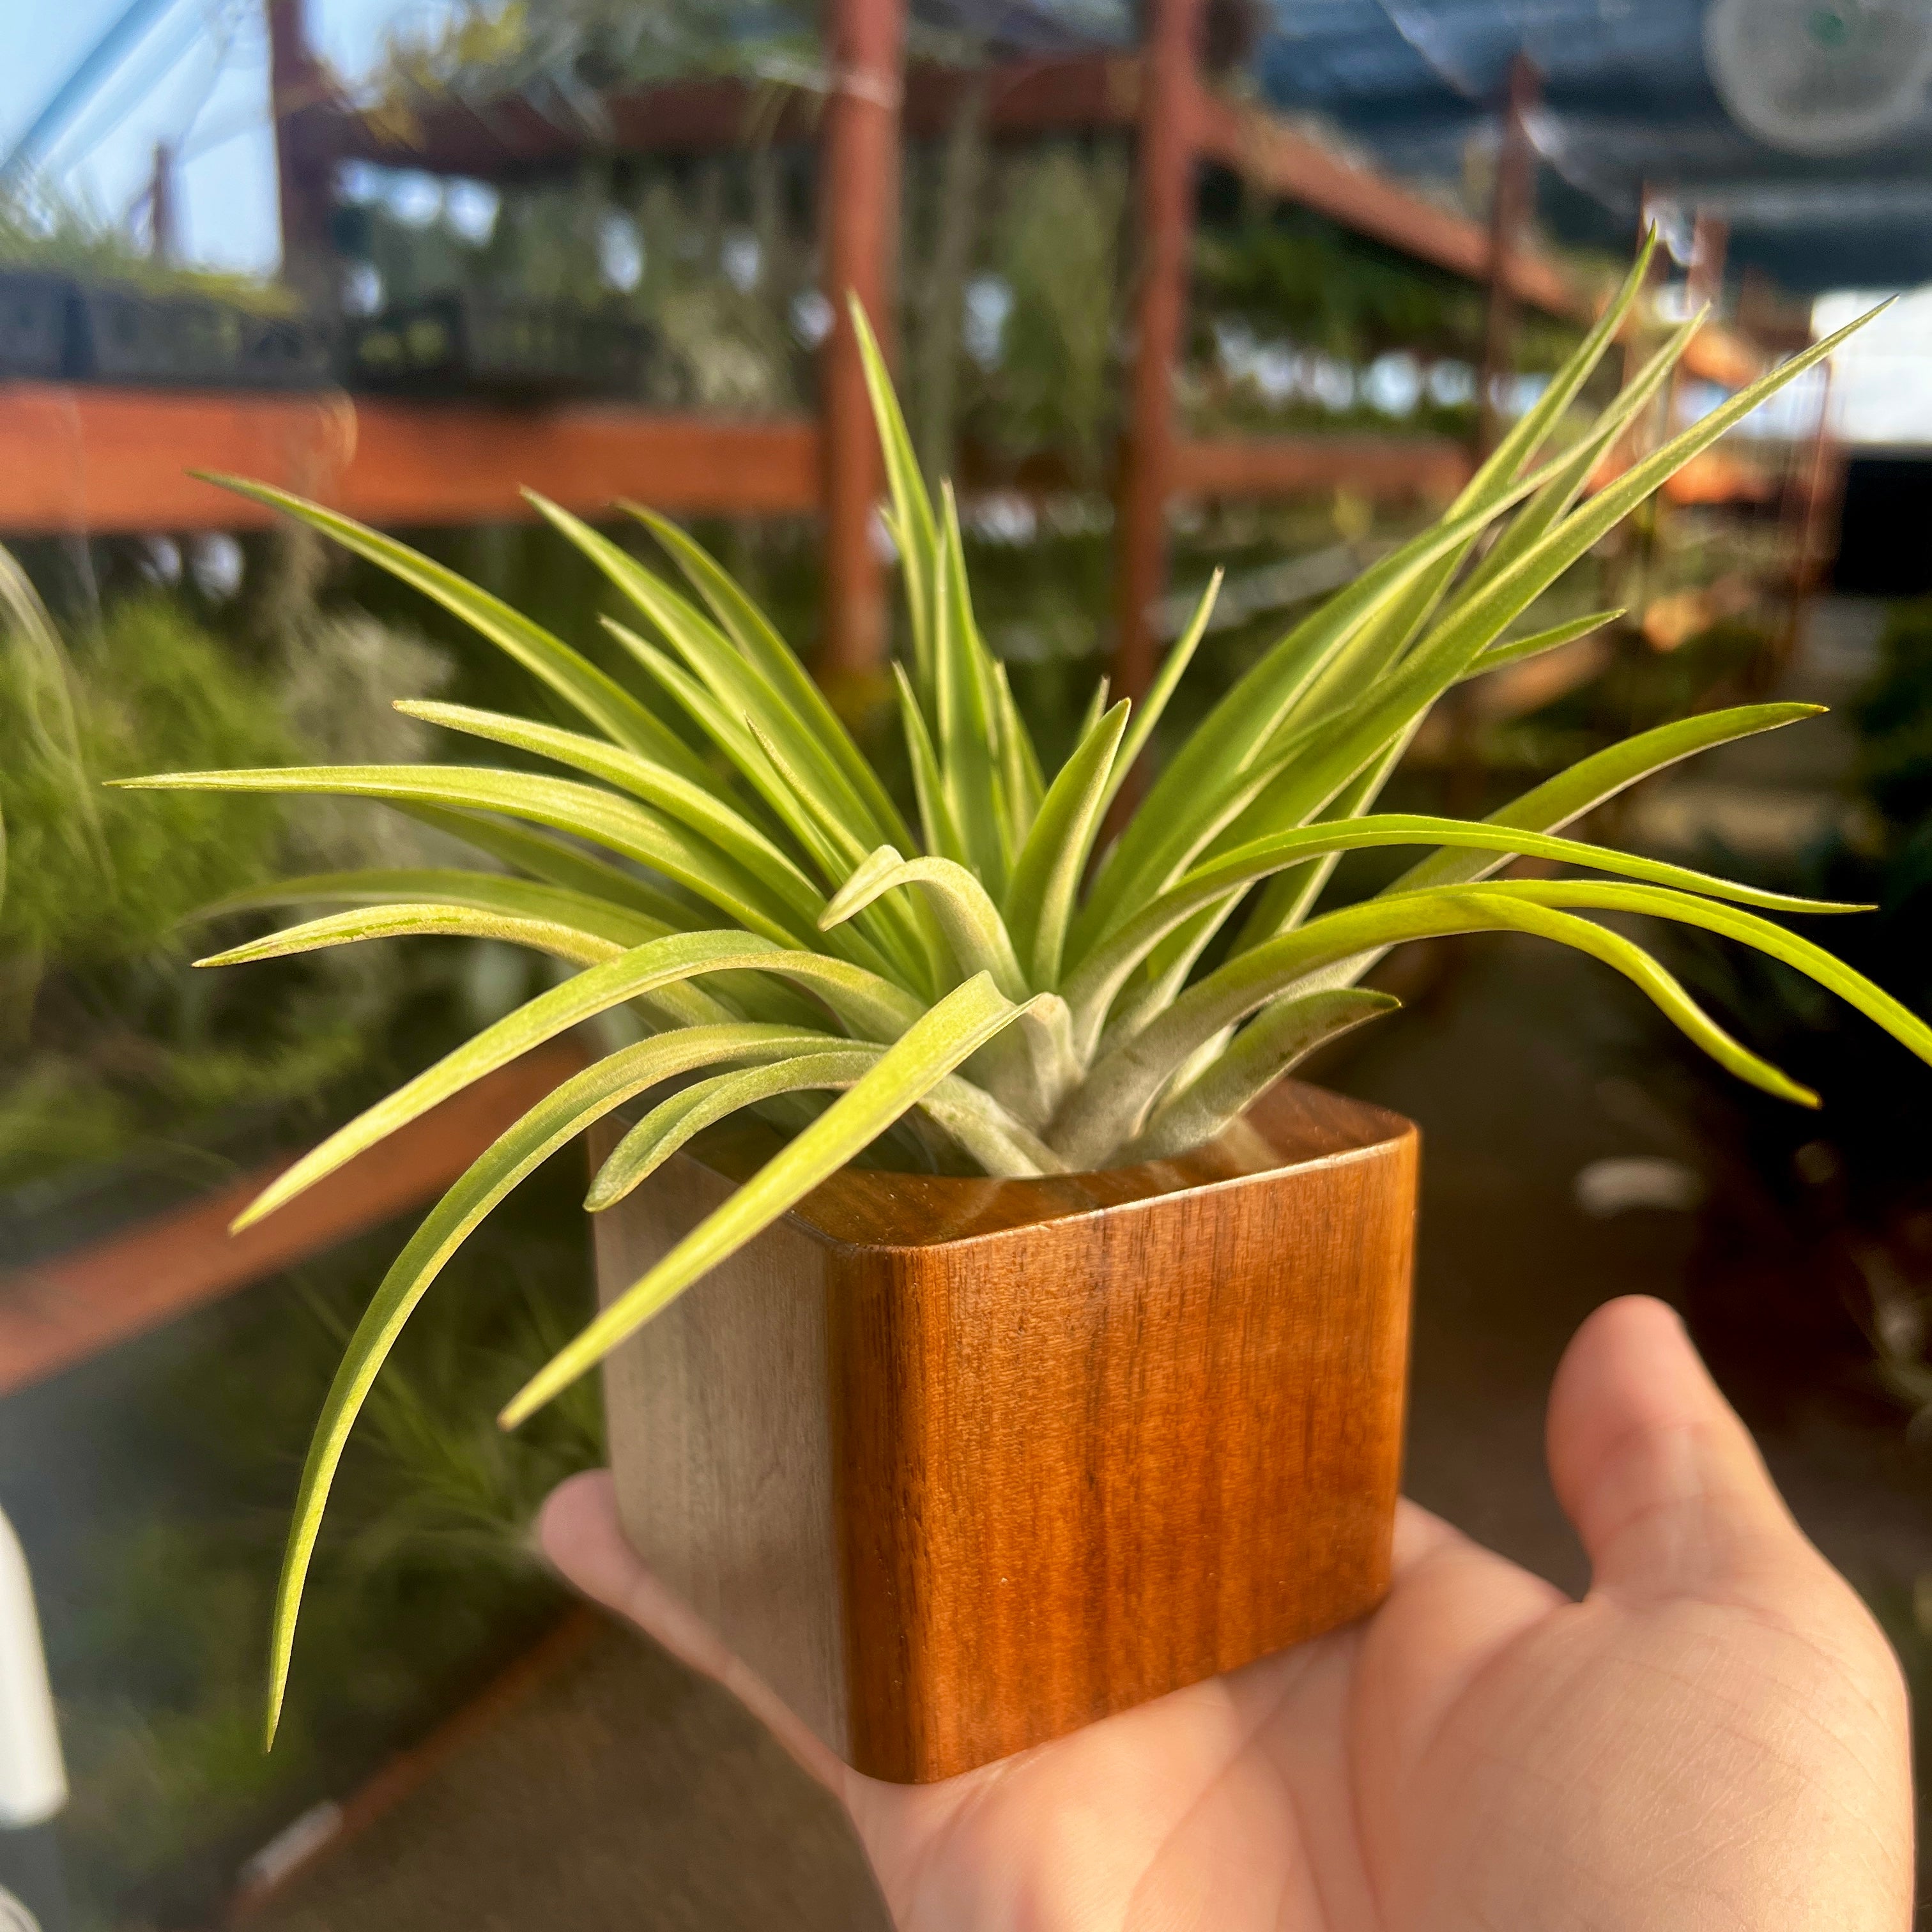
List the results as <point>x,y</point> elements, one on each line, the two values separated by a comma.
<point>1028,1453</point>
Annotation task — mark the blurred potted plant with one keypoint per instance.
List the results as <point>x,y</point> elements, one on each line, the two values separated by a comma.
<point>1056,1362</point>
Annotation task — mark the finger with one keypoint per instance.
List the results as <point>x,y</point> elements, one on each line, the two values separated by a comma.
<point>1662,1482</point>
<point>1420,1533</point>
<point>579,1530</point>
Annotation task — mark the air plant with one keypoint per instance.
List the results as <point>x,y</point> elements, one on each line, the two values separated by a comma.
<point>979,990</point>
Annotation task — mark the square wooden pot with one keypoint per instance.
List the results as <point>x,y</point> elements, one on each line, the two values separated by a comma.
<point>959,1466</point>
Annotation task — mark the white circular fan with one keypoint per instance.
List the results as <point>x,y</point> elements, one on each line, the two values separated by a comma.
<point>1820,77</point>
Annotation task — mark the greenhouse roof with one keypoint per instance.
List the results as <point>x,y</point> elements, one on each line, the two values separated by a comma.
<point>1628,99</point>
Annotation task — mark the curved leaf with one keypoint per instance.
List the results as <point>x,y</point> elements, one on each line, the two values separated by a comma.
<point>755,636</point>
<point>1336,747</point>
<point>1180,655</point>
<point>406,920</point>
<point>1091,990</point>
<point>1020,775</point>
<point>598,696</point>
<point>967,731</point>
<point>740,688</point>
<point>1582,460</point>
<point>1521,440</point>
<point>730,733</point>
<point>482,892</point>
<point>1372,652</point>
<point>1321,754</point>
<point>1595,780</point>
<point>1289,898</point>
<point>914,525</point>
<point>1260,1054</point>
<point>1187,805</point>
<point>939,1041</point>
<point>551,1124</point>
<point>673,1123</point>
<point>1107,1110</point>
<point>966,913</point>
<point>875,1008</point>
<point>1538,642</point>
<point>817,827</point>
<point>944,839</point>
<point>1046,876</point>
<point>907,930</point>
<point>977,1122</point>
<point>620,825</point>
<point>1571,794</point>
<point>698,808</point>
<point>1732,922</point>
<point>560,863</point>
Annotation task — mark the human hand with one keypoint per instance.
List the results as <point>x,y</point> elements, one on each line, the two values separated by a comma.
<point>1715,1736</point>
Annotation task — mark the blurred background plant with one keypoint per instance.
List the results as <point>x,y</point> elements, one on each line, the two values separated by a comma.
<point>42,229</point>
<point>155,1596</point>
<point>153,1483</point>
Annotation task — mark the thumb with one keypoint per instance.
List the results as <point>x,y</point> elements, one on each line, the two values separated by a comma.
<point>578,1529</point>
<point>1652,1466</point>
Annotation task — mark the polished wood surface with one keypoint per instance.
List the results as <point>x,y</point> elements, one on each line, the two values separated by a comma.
<point>960,1465</point>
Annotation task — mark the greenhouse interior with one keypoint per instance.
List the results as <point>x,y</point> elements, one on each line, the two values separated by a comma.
<point>378,377</point>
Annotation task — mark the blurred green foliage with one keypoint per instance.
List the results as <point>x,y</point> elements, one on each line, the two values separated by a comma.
<point>1289,272</point>
<point>1056,245</point>
<point>157,1611</point>
<point>42,231</point>
<point>150,689</point>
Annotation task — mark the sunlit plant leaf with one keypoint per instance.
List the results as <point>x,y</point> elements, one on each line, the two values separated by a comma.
<point>993,984</point>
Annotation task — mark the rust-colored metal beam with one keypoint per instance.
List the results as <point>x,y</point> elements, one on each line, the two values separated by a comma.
<point>1164,194</point>
<point>1385,468</point>
<point>306,126</point>
<point>163,216</point>
<point>858,188</point>
<point>1512,204</point>
<point>1261,150</point>
<point>74,459</point>
<point>59,1313</point>
<point>1274,157</point>
<point>507,139</point>
<point>80,458</point>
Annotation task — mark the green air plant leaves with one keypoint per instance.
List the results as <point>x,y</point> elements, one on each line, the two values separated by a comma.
<point>553,1122</point>
<point>957,1027</point>
<point>986,980</point>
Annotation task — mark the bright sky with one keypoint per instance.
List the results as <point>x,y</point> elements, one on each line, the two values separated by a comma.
<point>198,78</point>
<point>1882,381</point>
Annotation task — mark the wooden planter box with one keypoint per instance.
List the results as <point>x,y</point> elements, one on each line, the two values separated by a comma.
<point>959,1466</point>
